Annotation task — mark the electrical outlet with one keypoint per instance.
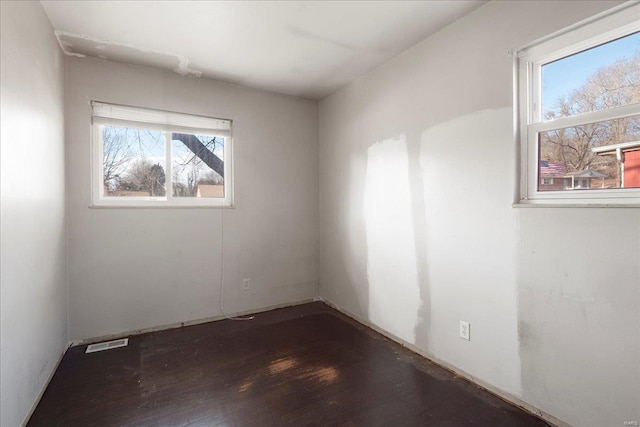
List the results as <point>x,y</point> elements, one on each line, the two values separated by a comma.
<point>465,332</point>
<point>246,284</point>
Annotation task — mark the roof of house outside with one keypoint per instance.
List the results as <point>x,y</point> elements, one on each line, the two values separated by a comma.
<point>589,173</point>
<point>210,191</point>
<point>610,149</point>
<point>556,170</point>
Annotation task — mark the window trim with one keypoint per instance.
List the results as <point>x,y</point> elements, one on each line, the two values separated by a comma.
<point>170,122</point>
<point>528,60</point>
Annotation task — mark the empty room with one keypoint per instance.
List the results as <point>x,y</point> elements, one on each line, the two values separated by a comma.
<point>320,213</point>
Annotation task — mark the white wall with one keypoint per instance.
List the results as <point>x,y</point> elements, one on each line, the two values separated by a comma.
<point>33,261</point>
<point>138,268</point>
<point>417,178</point>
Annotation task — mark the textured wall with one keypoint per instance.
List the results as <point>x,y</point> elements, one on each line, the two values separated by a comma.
<point>417,178</point>
<point>33,254</point>
<point>139,268</point>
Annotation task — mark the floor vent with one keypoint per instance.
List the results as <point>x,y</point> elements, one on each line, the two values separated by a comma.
<point>108,345</point>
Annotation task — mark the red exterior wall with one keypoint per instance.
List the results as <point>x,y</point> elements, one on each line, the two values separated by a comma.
<point>632,169</point>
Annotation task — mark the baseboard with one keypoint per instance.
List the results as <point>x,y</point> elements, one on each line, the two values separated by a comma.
<point>134,332</point>
<point>44,388</point>
<point>453,369</point>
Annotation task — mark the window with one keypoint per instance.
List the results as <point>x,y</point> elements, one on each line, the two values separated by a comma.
<point>143,157</point>
<point>579,100</point>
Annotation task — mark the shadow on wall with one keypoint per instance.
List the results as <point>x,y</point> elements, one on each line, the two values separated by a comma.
<point>429,218</point>
<point>419,213</point>
<point>394,222</point>
<point>441,241</point>
<point>344,251</point>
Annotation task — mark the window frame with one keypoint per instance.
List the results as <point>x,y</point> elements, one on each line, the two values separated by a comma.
<point>175,123</point>
<point>607,26</point>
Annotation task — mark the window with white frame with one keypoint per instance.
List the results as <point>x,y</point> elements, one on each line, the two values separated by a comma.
<point>579,100</point>
<point>144,157</point>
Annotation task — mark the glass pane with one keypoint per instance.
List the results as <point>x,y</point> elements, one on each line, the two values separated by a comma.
<point>133,162</point>
<point>197,163</point>
<point>593,156</point>
<point>595,79</point>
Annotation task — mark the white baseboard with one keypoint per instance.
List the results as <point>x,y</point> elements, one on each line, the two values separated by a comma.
<point>44,388</point>
<point>118,335</point>
<point>514,400</point>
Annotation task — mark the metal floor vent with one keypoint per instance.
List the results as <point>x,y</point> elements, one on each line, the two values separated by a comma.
<point>108,345</point>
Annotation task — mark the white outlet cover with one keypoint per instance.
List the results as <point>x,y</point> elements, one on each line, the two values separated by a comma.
<point>465,330</point>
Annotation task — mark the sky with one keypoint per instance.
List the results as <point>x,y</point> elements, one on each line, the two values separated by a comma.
<point>563,76</point>
<point>150,144</point>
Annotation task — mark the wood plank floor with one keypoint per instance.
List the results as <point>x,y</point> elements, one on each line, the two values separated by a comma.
<point>299,366</point>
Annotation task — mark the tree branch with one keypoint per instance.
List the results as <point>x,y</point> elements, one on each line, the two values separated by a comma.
<point>199,149</point>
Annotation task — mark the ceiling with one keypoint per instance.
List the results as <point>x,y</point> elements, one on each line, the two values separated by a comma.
<point>302,48</point>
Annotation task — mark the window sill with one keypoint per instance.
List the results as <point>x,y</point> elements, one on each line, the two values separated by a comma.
<point>563,204</point>
<point>159,207</point>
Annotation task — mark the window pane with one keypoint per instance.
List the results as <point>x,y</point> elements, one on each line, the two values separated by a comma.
<point>593,156</point>
<point>197,163</point>
<point>595,79</point>
<point>133,162</point>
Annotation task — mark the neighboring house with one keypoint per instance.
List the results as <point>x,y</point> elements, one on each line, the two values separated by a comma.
<point>583,179</point>
<point>210,191</point>
<point>553,177</point>
<point>628,156</point>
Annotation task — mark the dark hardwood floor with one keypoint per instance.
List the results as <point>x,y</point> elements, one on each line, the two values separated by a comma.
<point>298,366</point>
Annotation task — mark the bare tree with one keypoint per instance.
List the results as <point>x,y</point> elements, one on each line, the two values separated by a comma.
<point>211,178</point>
<point>144,176</point>
<point>204,151</point>
<point>114,156</point>
<point>613,85</point>
<point>119,146</point>
<point>121,171</point>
